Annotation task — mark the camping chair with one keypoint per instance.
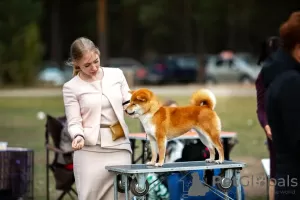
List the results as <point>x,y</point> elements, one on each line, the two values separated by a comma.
<point>62,171</point>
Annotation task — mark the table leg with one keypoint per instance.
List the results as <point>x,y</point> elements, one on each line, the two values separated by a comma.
<point>208,174</point>
<point>268,185</point>
<point>143,151</point>
<point>226,196</point>
<point>133,150</point>
<point>238,184</point>
<point>228,175</point>
<point>126,187</point>
<point>116,187</point>
<point>226,148</point>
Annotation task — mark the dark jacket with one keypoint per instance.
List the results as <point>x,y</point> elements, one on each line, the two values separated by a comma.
<point>269,71</point>
<point>282,78</point>
<point>276,64</point>
<point>260,100</point>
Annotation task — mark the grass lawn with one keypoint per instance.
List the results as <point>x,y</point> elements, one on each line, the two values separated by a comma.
<point>20,128</point>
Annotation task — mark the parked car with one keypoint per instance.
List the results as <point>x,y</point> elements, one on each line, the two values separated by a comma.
<point>230,68</point>
<point>128,64</point>
<point>173,69</point>
<point>51,73</point>
<point>55,75</point>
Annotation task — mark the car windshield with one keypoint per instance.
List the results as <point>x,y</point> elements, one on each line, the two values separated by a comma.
<point>248,58</point>
<point>186,62</point>
<point>241,63</point>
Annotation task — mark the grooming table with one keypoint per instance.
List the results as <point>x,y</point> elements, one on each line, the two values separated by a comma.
<point>191,135</point>
<point>134,176</point>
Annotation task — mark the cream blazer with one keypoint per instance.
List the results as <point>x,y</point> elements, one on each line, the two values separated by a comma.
<point>82,101</point>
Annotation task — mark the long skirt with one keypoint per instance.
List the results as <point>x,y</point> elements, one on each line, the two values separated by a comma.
<point>287,187</point>
<point>93,181</point>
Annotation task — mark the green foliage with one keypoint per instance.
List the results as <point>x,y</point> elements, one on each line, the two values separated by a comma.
<point>206,26</point>
<point>128,2</point>
<point>20,46</point>
<point>135,28</point>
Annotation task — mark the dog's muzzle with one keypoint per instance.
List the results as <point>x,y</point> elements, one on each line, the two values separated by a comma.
<point>132,113</point>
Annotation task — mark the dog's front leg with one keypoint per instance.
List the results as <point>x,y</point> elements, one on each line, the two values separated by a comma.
<point>153,151</point>
<point>162,144</point>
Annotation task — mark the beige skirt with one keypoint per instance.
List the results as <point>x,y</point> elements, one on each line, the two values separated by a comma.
<point>93,181</point>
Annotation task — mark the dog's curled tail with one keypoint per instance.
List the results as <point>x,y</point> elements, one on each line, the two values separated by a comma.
<point>204,97</point>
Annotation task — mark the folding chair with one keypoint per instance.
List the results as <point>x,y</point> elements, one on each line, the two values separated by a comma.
<point>62,171</point>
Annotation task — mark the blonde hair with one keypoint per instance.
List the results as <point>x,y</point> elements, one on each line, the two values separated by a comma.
<point>78,48</point>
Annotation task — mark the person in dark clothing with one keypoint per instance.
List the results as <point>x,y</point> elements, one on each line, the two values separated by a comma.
<point>282,78</point>
<point>269,46</point>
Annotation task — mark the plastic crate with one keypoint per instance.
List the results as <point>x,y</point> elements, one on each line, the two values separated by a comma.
<point>16,174</point>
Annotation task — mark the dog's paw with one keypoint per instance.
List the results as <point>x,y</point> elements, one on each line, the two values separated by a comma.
<point>150,163</point>
<point>209,160</point>
<point>219,161</point>
<point>159,164</point>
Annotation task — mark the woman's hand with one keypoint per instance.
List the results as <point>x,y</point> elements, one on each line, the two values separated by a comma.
<point>78,143</point>
<point>268,131</point>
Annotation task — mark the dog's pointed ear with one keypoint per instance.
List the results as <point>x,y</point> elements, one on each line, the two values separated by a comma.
<point>131,91</point>
<point>141,98</point>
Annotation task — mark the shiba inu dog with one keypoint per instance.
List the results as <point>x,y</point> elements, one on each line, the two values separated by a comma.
<point>163,123</point>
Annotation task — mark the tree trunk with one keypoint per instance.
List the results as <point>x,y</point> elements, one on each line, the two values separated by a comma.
<point>56,49</point>
<point>187,27</point>
<point>102,29</point>
<point>129,16</point>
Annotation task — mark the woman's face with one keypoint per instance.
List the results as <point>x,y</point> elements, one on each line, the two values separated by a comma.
<point>89,63</point>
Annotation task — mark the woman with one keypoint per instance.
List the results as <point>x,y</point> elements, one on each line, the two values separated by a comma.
<point>269,46</point>
<point>94,100</point>
<point>283,108</point>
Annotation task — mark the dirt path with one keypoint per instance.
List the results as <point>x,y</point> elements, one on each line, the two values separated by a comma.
<point>253,176</point>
